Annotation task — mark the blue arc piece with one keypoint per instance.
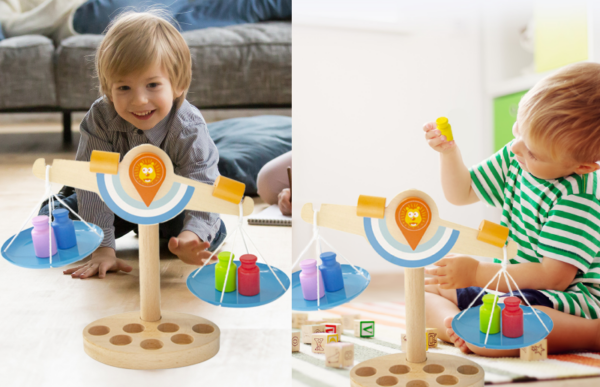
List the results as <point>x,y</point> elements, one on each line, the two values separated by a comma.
<point>203,287</point>
<point>354,284</point>
<point>467,328</point>
<point>21,253</point>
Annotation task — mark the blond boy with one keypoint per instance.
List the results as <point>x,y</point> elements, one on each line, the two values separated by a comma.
<point>144,70</point>
<point>546,183</point>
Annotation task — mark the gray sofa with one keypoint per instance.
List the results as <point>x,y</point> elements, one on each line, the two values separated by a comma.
<point>242,66</point>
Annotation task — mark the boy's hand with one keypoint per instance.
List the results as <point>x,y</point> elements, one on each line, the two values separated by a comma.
<point>189,248</point>
<point>436,140</point>
<point>453,272</point>
<point>283,199</point>
<point>103,260</point>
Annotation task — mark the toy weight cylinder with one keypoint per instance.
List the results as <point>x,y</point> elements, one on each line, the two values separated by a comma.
<point>331,271</point>
<point>445,128</point>
<point>512,318</point>
<point>221,269</point>
<point>492,233</point>
<point>104,162</point>
<point>248,276</point>
<point>40,237</point>
<point>370,207</point>
<point>308,280</point>
<point>490,302</point>
<point>229,189</point>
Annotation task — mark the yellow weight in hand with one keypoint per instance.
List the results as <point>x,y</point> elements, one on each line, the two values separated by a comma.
<point>445,128</point>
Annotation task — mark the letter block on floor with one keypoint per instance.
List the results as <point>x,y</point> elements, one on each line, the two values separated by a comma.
<point>534,352</point>
<point>338,355</point>
<point>364,328</point>
<point>309,330</point>
<point>295,341</point>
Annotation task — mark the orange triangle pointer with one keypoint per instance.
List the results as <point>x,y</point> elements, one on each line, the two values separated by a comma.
<point>413,216</point>
<point>147,173</point>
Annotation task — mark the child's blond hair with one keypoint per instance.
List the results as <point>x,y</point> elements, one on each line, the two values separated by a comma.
<point>562,112</point>
<point>134,41</point>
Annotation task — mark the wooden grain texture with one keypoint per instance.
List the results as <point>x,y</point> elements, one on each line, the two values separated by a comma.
<point>149,272</point>
<point>344,218</point>
<point>176,340</point>
<point>67,172</point>
<point>396,370</point>
<point>414,293</point>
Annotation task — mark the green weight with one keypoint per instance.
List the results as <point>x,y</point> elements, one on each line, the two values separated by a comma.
<point>221,271</point>
<point>486,311</point>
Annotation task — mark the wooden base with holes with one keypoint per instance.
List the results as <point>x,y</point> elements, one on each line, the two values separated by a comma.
<point>437,370</point>
<point>176,340</point>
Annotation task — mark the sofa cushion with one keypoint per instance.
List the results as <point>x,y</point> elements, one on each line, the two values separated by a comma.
<point>27,72</point>
<point>241,65</point>
<point>246,144</point>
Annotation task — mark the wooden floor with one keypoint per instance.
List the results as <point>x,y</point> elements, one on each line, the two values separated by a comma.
<point>43,312</point>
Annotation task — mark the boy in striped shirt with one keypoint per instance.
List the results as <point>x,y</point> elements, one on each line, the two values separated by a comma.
<point>546,183</point>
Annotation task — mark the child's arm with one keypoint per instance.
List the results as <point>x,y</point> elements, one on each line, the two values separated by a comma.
<point>456,179</point>
<point>195,156</point>
<point>103,259</point>
<point>459,271</point>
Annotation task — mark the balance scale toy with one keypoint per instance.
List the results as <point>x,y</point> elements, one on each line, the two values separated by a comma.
<point>144,189</point>
<point>408,232</point>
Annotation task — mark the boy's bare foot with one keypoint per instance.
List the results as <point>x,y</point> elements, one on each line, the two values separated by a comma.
<point>458,342</point>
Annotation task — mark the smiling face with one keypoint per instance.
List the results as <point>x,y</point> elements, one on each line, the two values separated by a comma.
<point>533,159</point>
<point>413,216</point>
<point>144,99</point>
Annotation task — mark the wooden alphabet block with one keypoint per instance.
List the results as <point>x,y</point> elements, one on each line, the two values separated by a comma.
<point>314,322</point>
<point>339,355</point>
<point>348,320</point>
<point>364,328</point>
<point>320,340</point>
<point>333,328</point>
<point>534,352</point>
<point>298,319</point>
<point>431,337</point>
<point>295,341</point>
<point>404,340</point>
<point>309,330</point>
<point>337,320</point>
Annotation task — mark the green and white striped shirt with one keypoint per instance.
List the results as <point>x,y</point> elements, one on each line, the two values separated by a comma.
<point>557,218</point>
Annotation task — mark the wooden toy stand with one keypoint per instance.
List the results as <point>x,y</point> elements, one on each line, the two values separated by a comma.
<point>415,367</point>
<point>149,338</point>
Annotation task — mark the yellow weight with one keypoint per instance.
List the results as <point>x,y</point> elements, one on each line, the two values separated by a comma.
<point>104,162</point>
<point>370,207</point>
<point>229,189</point>
<point>445,128</point>
<point>492,233</point>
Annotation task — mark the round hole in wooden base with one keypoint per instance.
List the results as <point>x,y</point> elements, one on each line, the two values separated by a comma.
<point>366,371</point>
<point>203,329</point>
<point>399,369</point>
<point>467,370</point>
<point>98,330</point>
<point>185,348</point>
<point>151,344</point>
<point>447,380</point>
<point>387,381</point>
<point>168,327</point>
<point>133,328</point>
<point>433,369</point>
<point>437,370</point>
<point>182,339</point>
<point>120,340</point>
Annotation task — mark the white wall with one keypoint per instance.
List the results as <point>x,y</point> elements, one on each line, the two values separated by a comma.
<point>360,97</point>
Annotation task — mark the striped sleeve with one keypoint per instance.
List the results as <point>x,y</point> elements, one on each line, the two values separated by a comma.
<point>572,232</point>
<point>489,177</point>
<point>89,205</point>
